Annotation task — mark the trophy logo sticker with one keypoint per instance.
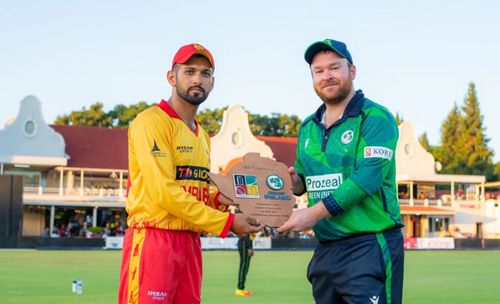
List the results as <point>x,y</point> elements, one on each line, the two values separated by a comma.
<point>274,182</point>
<point>245,186</point>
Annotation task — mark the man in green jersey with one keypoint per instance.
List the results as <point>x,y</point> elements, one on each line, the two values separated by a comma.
<point>346,163</point>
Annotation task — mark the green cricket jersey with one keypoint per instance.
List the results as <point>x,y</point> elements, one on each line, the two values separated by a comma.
<point>351,166</point>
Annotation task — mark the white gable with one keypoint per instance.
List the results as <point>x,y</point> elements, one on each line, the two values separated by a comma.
<point>29,140</point>
<point>411,157</point>
<point>414,163</point>
<point>235,140</point>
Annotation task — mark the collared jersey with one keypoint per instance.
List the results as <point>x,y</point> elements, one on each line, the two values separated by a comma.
<point>351,168</point>
<point>168,170</point>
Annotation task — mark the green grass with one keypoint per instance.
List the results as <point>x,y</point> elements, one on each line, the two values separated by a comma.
<point>275,277</point>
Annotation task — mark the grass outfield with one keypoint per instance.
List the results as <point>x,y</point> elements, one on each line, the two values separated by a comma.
<point>275,277</point>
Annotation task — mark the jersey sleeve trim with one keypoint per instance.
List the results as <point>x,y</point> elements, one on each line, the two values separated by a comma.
<point>216,201</point>
<point>332,206</point>
<point>227,226</point>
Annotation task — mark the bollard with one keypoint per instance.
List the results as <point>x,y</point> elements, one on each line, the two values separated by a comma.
<point>79,287</point>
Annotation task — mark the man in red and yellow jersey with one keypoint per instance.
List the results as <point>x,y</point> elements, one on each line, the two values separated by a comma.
<point>168,201</point>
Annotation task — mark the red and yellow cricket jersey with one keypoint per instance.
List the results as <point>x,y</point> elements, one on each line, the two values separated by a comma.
<point>168,171</point>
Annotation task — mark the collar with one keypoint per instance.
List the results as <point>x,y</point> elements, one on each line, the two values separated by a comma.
<point>171,112</point>
<point>353,109</point>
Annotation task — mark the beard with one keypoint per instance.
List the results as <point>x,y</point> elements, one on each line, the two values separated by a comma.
<point>195,98</point>
<point>343,90</point>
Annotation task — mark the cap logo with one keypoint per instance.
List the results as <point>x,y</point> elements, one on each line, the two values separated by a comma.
<point>198,47</point>
<point>329,42</point>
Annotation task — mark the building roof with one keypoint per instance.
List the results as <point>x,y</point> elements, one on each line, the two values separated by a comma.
<point>283,148</point>
<point>106,148</point>
<point>441,178</point>
<point>93,147</point>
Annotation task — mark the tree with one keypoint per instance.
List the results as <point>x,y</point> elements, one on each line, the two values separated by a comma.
<point>496,172</point>
<point>448,152</point>
<point>464,145</point>
<point>424,141</point>
<point>94,116</point>
<point>478,157</point>
<point>211,120</point>
<point>275,125</point>
<point>122,115</point>
<point>289,125</point>
<point>399,118</point>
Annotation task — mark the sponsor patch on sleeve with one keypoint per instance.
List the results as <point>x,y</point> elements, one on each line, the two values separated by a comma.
<point>378,152</point>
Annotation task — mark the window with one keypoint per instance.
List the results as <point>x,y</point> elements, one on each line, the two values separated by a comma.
<point>437,224</point>
<point>29,128</point>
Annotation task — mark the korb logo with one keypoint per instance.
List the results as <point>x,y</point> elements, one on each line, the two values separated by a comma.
<point>157,295</point>
<point>378,152</point>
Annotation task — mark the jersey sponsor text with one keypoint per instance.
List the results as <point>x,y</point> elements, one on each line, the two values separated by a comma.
<point>323,182</point>
<point>157,295</point>
<point>192,173</point>
<point>200,193</point>
<point>378,152</point>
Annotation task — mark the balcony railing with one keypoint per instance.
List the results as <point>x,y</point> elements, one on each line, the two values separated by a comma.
<point>438,203</point>
<point>71,194</point>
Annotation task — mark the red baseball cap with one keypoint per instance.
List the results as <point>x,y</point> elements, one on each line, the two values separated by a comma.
<point>187,51</point>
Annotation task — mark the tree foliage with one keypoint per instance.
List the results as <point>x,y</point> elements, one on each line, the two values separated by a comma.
<point>477,156</point>
<point>496,171</point>
<point>464,144</point>
<point>399,118</point>
<point>122,115</point>
<point>95,116</point>
<point>449,153</point>
<point>275,125</point>
<point>211,120</point>
<point>424,141</point>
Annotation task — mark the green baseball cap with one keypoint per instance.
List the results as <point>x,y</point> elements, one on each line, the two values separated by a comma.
<point>327,45</point>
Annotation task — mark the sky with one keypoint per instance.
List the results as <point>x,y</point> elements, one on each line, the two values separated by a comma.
<point>414,57</point>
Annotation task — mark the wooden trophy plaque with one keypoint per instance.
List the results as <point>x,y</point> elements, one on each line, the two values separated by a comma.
<point>261,187</point>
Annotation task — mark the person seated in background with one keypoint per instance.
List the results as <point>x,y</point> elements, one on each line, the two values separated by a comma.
<point>55,233</point>
<point>457,234</point>
<point>421,196</point>
<point>85,230</point>
<point>444,233</point>
<point>107,229</point>
<point>62,230</point>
